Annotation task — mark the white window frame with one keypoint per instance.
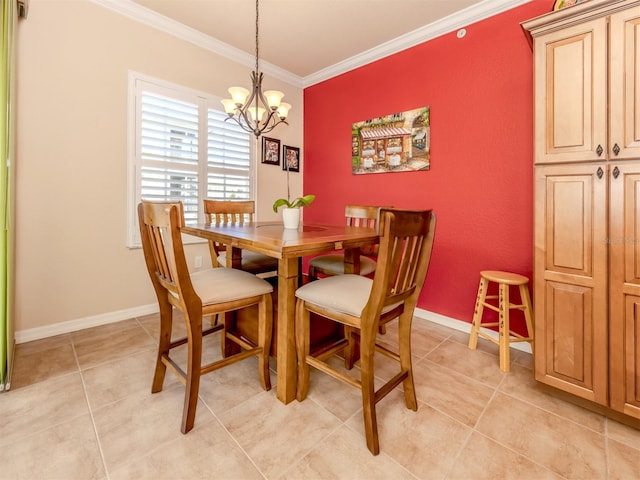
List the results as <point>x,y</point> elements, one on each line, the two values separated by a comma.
<point>138,83</point>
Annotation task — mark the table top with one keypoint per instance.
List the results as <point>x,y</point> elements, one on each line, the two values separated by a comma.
<point>273,239</point>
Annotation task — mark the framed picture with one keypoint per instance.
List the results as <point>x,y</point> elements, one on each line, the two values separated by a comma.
<point>291,158</point>
<point>399,142</point>
<point>270,151</point>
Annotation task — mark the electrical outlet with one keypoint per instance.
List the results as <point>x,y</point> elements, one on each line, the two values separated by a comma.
<point>198,262</point>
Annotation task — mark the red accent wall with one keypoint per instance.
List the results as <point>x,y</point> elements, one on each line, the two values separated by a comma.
<point>480,184</point>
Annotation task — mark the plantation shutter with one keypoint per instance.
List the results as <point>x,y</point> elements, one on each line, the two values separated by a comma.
<point>228,165</point>
<point>183,151</point>
<point>169,152</point>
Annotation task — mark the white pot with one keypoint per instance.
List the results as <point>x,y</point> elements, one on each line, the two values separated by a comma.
<point>291,217</point>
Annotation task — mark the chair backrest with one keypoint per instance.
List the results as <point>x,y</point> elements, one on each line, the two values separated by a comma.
<point>365,216</point>
<point>406,241</point>
<point>230,212</point>
<point>160,224</point>
<point>227,212</point>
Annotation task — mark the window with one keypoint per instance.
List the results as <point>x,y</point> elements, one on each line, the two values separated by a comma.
<point>182,149</point>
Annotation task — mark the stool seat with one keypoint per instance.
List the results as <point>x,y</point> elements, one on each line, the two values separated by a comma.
<point>505,334</point>
<point>504,277</point>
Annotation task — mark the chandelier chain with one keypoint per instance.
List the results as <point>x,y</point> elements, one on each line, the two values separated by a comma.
<point>257,14</point>
<point>256,119</point>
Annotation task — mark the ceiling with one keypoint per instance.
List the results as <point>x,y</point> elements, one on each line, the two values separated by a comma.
<point>310,40</point>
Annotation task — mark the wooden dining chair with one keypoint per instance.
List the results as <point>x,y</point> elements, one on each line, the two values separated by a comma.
<point>236,212</point>
<point>363,304</point>
<point>334,263</point>
<point>207,292</point>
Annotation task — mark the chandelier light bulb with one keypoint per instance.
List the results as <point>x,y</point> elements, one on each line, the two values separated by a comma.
<point>229,106</point>
<point>239,95</point>
<point>274,97</point>
<point>283,110</point>
<point>252,113</point>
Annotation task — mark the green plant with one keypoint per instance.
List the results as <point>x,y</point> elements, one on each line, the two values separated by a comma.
<point>295,203</point>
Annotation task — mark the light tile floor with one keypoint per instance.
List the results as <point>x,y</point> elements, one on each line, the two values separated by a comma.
<point>80,407</point>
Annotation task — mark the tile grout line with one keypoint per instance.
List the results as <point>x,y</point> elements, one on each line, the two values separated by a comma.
<point>495,393</point>
<point>93,421</point>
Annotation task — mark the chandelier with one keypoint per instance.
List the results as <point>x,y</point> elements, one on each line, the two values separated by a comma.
<point>255,111</point>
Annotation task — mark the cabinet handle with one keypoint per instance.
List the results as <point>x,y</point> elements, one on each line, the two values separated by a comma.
<point>599,150</point>
<point>616,172</point>
<point>616,149</point>
<point>600,172</point>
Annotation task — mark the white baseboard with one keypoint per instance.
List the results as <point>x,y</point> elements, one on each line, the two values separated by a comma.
<point>463,326</point>
<point>37,333</point>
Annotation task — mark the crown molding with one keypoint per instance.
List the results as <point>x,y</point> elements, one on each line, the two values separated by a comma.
<point>164,24</point>
<point>473,14</point>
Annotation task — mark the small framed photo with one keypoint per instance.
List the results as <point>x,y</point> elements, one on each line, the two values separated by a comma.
<point>291,158</point>
<point>270,151</point>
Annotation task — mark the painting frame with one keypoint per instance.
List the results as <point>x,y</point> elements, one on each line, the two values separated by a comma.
<point>291,158</point>
<point>394,143</point>
<point>270,151</point>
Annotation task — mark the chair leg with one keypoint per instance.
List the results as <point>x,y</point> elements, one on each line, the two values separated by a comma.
<point>313,275</point>
<point>265,329</point>
<point>194,365</point>
<point>302,349</point>
<point>350,349</point>
<point>528,311</point>
<point>404,341</point>
<point>477,315</point>
<point>229,347</point>
<point>504,327</point>
<point>164,340</point>
<point>368,395</point>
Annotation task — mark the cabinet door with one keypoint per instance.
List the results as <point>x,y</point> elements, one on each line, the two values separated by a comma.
<point>624,321</point>
<point>571,279</point>
<point>570,94</point>
<point>624,79</point>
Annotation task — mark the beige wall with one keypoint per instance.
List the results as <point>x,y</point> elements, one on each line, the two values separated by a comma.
<point>72,264</point>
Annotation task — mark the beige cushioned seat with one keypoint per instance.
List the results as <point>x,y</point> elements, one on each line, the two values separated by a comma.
<point>252,261</point>
<point>343,293</point>
<point>334,263</point>
<point>218,285</point>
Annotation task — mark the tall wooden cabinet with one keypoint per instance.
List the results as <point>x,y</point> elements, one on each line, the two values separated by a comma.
<point>587,201</point>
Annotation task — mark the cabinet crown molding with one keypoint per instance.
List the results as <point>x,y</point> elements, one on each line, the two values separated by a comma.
<point>575,15</point>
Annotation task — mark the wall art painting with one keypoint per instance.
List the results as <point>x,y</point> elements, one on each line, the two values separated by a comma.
<point>291,158</point>
<point>399,142</point>
<point>270,151</point>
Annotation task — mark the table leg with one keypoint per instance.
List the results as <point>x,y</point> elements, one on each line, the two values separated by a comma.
<point>352,260</point>
<point>287,364</point>
<point>234,257</point>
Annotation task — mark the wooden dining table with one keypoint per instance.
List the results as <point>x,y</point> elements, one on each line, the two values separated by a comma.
<point>288,246</point>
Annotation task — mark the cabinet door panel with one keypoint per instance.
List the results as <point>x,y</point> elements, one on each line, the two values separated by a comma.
<point>567,339</point>
<point>571,75</point>
<point>624,317</point>
<point>571,279</point>
<point>624,80</point>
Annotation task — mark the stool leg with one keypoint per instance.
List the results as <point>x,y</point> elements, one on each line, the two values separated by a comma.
<point>477,315</point>
<point>528,311</point>
<point>504,326</point>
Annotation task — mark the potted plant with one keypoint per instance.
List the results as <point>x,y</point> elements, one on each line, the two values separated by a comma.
<point>291,212</point>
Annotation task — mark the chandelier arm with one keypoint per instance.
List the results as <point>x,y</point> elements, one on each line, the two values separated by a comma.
<point>271,127</point>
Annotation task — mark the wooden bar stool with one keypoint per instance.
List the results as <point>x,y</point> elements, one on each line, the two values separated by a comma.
<point>505,334</point>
